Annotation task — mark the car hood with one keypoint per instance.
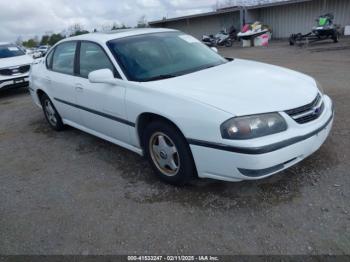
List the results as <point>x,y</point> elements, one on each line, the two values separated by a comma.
<point>15,61</point>
<point>244,87</point>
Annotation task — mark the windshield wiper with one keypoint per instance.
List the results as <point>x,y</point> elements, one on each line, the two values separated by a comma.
<point>209,66</point>
<point>206,67</point>
<point>159,77</point>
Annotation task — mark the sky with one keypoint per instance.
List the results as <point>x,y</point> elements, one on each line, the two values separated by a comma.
<point>27,18</point>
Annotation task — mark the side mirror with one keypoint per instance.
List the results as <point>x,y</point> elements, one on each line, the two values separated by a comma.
<point>214,49</point>
<point>103,76</point>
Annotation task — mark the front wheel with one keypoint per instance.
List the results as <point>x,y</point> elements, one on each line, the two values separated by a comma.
<point>51,114</point>
<point>168,153</point>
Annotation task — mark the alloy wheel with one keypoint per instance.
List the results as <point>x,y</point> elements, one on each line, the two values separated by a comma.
<point>164,154</point>
<point>50,112</point>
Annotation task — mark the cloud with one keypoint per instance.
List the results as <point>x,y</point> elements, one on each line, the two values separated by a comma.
<point>27,18</point>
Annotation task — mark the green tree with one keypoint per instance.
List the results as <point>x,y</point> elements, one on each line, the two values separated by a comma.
<point>54,38</point>
<point>45,40</point>
<point>30,43</point>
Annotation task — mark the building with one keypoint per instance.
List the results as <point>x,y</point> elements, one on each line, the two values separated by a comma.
<point>284,18</point>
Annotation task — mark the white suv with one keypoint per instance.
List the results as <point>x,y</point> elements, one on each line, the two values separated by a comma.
<point>14,66</point>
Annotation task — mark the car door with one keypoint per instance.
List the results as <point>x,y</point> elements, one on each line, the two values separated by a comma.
<point>104,104</point>
<point>61,80</point>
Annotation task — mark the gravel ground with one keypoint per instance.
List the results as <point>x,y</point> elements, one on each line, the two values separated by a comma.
<point>71,193</point>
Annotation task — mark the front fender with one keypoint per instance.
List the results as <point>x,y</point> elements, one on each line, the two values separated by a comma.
<point>195,120</point>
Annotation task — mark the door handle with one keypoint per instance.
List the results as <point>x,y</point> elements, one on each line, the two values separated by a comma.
<point>79,87</point>
<point>48,79</point>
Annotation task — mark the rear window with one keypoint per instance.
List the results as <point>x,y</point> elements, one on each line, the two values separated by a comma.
<point>7,51</point>
<point>63,58</point>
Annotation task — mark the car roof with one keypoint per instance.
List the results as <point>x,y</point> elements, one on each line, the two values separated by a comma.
<point>103,37</point>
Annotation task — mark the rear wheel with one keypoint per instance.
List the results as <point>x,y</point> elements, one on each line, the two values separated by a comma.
<point>51,114</point>
<point>168,153</point>
<point>228,43</point>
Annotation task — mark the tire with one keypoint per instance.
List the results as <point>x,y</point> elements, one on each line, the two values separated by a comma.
<point>228,43</point>
<point>51,114</point>
<point>335,38</point>
<point>292,40</point>
<point>168,153</point>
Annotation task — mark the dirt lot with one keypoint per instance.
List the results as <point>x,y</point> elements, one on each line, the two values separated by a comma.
<point>72,193</point>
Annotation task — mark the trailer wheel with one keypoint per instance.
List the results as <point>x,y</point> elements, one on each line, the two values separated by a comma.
<point>291,40</point>
<point>335,37</point>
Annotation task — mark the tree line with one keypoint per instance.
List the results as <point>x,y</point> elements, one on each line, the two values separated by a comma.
<point>74,30</point>
<point>45,40</point>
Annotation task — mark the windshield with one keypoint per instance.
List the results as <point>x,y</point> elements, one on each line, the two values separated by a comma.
<point>10,51</point>
<point>162,55</point>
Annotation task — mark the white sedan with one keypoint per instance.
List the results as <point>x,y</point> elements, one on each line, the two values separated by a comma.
<point>192,113</point>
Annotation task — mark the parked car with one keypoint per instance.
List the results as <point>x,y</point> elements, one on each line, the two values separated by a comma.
<point>43,49</point>
<point>14,66</point>
<point>33,52</point>
<point>191,112</point>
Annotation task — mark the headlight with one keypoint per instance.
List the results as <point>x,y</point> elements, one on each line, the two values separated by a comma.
<point>248,127</point>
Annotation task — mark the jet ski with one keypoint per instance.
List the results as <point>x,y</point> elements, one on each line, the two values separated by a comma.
<point>325,26</point>
<point>325,29</point>
<point>249,32</point>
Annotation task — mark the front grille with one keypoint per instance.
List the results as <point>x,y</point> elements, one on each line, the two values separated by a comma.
<point>24,69</point>
<point>6,72</point>
<point>309,112</point>
<point>15,70</point>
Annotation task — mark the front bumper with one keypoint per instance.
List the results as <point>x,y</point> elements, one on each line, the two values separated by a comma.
<point>249,163</point>
<point>15,82</point>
